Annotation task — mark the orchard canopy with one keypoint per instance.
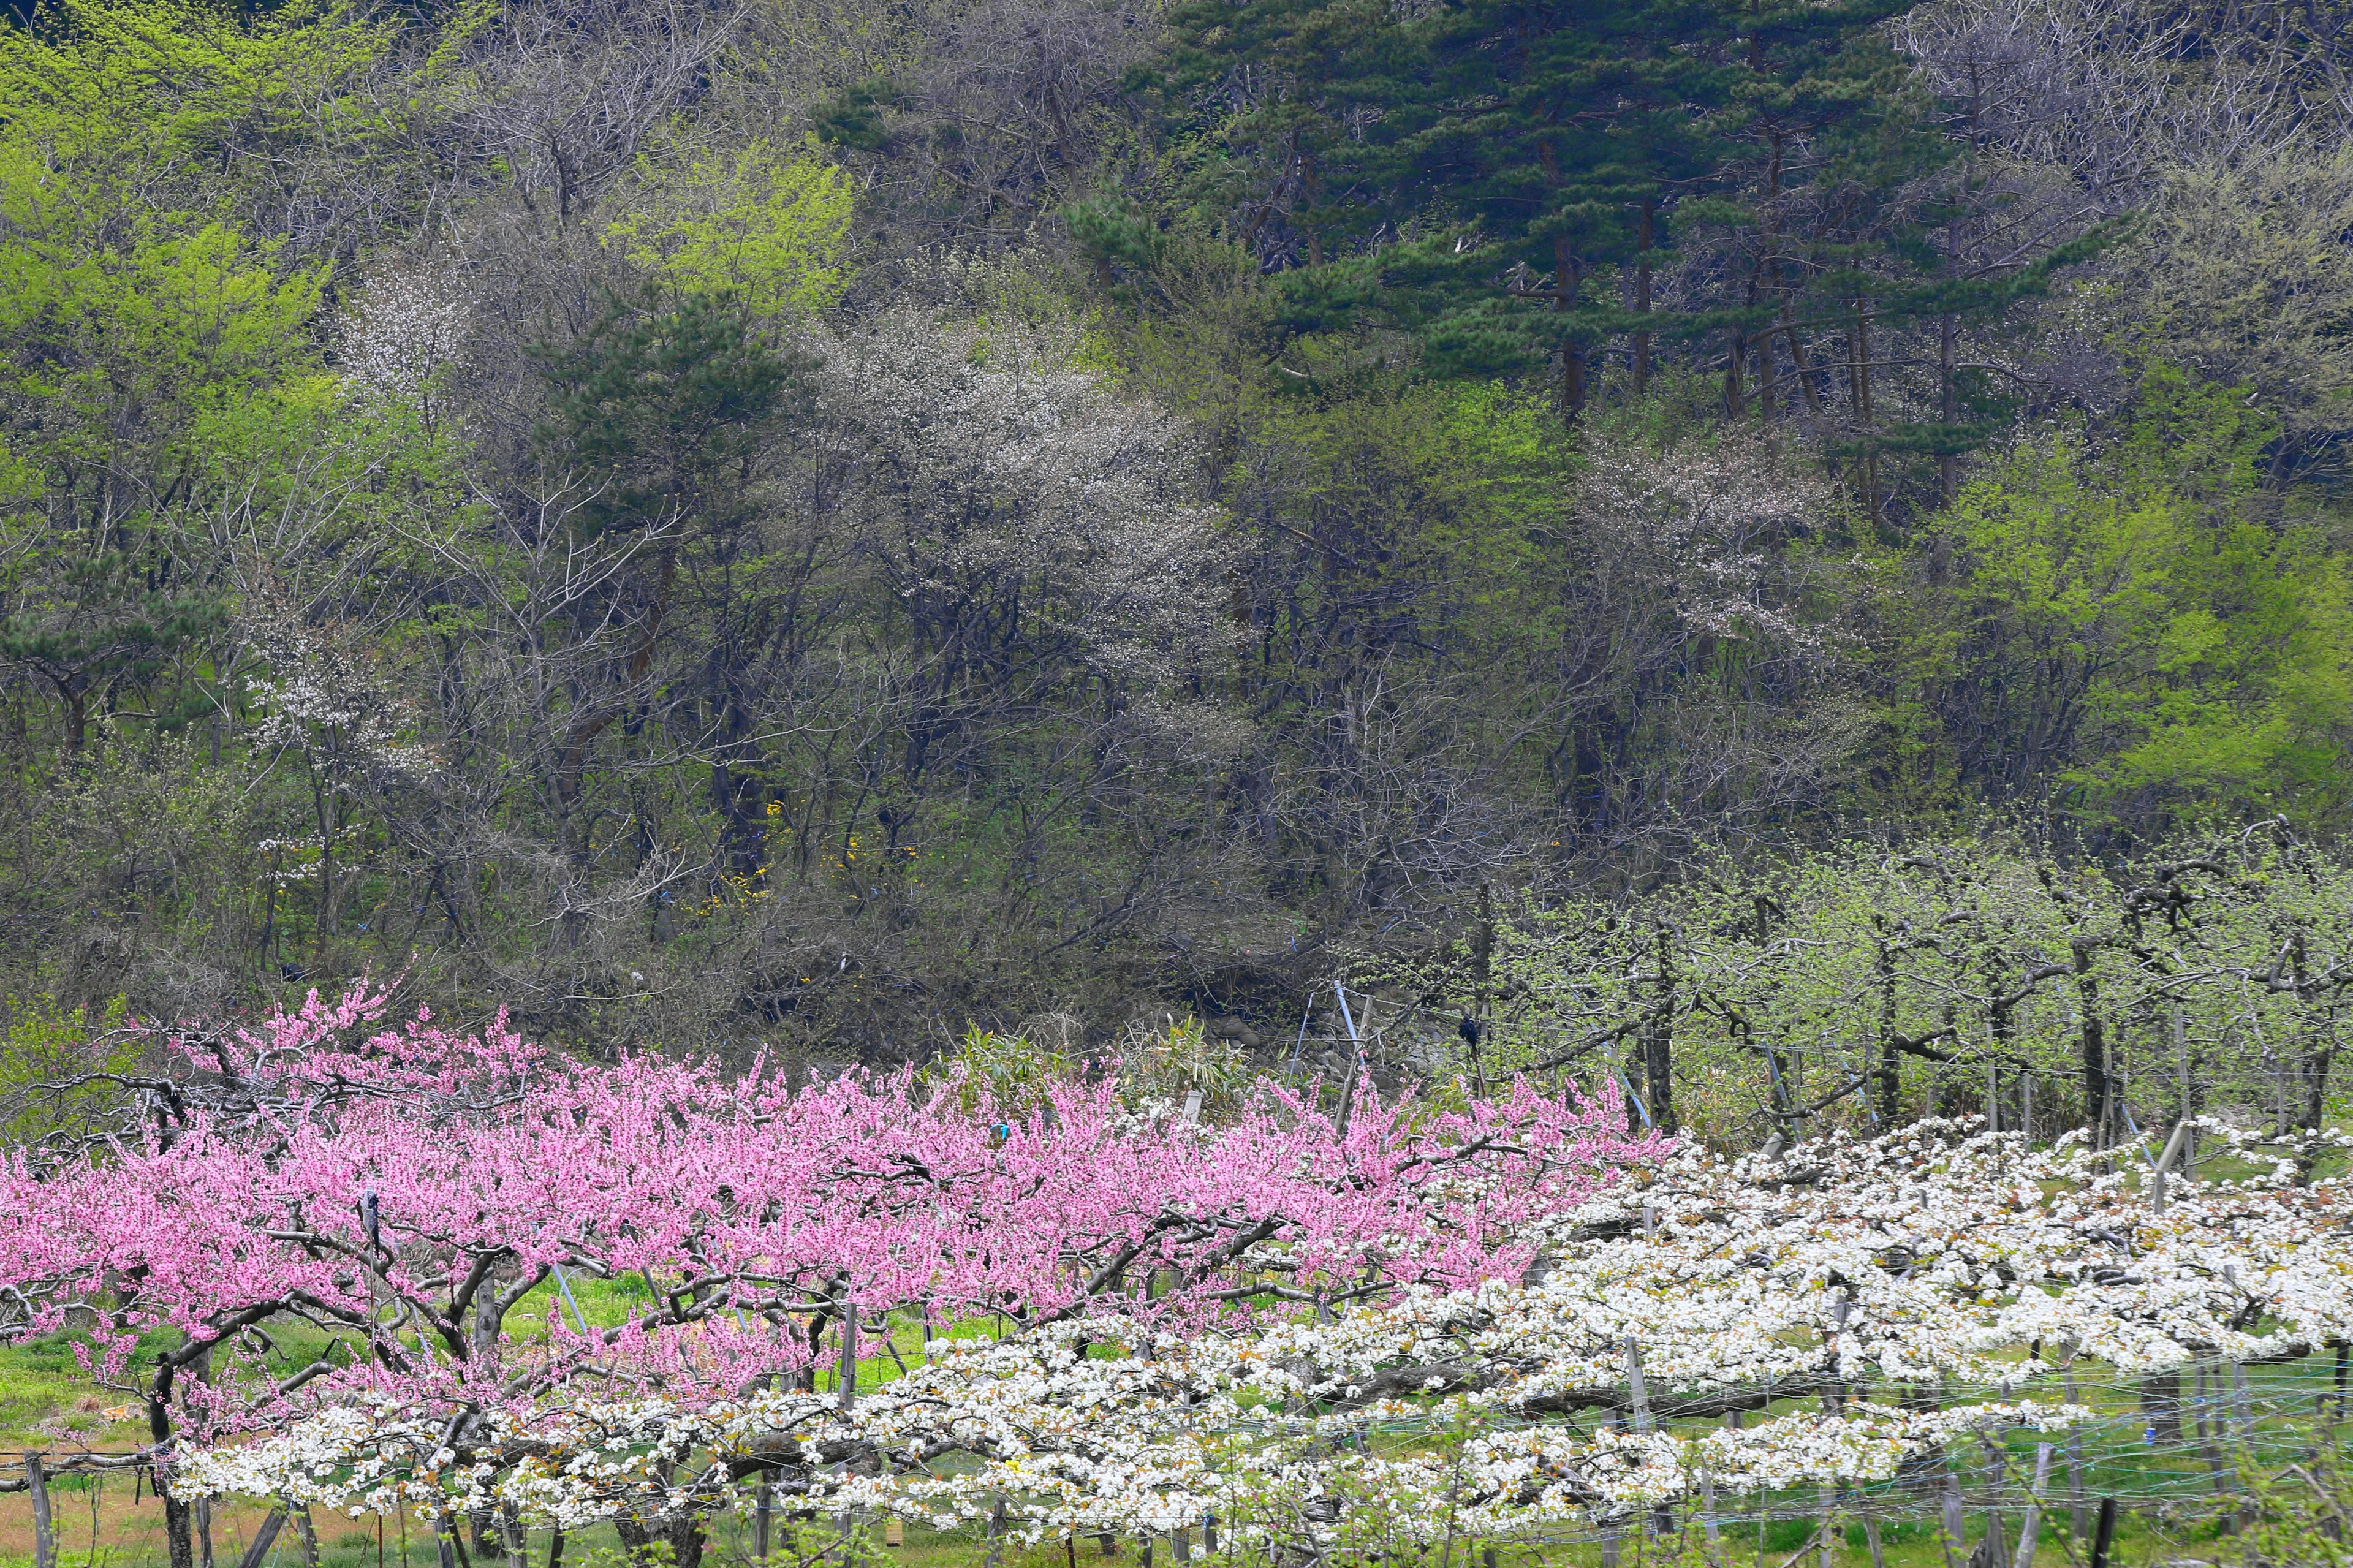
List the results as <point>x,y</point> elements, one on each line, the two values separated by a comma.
<point>1134,1319</point>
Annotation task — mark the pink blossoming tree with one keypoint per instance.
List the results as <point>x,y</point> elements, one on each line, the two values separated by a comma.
<point>403,1193</point>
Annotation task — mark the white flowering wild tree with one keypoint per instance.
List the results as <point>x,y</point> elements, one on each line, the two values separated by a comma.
<point>328,703</point>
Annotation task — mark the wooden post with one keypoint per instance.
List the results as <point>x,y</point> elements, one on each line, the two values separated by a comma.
<point>2024,1556</point>
<point>2200,1403</point>
<point>2243,1404</point>
<point>849,1354</point>
<point>2173,1147</point>
<point>2189,1102</point>
<point>2076,1509</point>
<point>1956,1525</point>
<point>1636,1388</point>
<point>45,1530</point>
<point>264,1539</point>
<point>1996,1544</point>
<point>1356,1061</point>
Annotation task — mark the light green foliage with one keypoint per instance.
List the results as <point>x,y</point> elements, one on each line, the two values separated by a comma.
<point>133,311</point>
<point>46,1043</point>
<point>128,84</point>
<point>117,323</point>
<point>2166,637</point>
<point>1170,1059</point>
<point>310,454</point>
<point>2302,1514</point>
<point>754,222</point>
<point>171,445</point>
<point>1785,992</point>
<point>1011,1070</point>
<point>2244,272</point>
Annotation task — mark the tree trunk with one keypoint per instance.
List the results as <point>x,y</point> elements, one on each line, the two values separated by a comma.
<point>2161,1404</point>
<point>1800,367</point>
<point>1890,1076</point>
<point>1645,235</point>
<point>1658,1037</point>
<point>324,795</point>
<point>2319,1051</point>
<point>1862,414</point>
<point>179,1535</point>
<point>1949,464</point>
<point>682,1532</point>
<point>2095,1048</point>
<point>1567,278</point>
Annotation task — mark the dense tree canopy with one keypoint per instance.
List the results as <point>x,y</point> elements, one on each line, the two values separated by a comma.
<point>765,524</point>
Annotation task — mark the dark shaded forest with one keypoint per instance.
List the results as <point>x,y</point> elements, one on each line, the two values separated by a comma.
<point>811,522</point>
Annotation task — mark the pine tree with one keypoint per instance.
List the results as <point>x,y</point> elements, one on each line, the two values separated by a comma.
<point>1470,176</point>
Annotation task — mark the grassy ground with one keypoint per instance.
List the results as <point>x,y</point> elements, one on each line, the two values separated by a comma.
<point>131,1535</point>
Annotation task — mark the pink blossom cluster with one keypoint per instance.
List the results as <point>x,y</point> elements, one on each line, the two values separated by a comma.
<point>409,1191</point>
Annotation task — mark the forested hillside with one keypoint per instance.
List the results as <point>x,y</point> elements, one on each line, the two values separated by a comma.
<point>809,523</point>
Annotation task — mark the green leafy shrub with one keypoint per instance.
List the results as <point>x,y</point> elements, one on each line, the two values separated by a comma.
<point>1011,1070</point>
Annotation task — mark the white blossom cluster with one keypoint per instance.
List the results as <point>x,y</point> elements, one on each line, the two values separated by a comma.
<point>1075,1443</point>
<point>399,330</point>
<point>323,692</point>
<point>1007,486</point>
<point>1932,1263</point>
